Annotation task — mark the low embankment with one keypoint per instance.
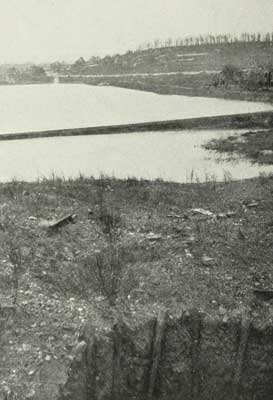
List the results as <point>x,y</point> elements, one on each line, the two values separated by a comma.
<point>236,121</point>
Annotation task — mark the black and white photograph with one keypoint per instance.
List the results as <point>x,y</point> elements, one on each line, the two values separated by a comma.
<point>136,200</point>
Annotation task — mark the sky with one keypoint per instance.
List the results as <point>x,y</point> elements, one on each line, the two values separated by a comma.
<point>50,30</point>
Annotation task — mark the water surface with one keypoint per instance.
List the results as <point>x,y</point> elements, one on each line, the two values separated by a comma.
<point>176,156</point>
<point>46,107</point>
<point>173,155</point>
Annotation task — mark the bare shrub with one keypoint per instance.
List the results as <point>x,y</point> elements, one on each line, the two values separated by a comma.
<point>12,248</point>
<point>108,273</point>
<point>108,264</point>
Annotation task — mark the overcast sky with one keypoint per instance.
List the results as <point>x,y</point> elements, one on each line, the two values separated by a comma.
<point>48,30</point>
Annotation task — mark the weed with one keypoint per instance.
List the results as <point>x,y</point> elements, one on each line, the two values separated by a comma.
<point>16,260</point>
<point>108,265</point>
<point>12,250</point>
<point>227,176</point>
<point>108,269</point>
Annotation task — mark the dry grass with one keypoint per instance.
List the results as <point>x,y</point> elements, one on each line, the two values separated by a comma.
<point>255,146</point>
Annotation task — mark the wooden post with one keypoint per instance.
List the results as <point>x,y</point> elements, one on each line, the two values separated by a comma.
<point>244,335</point>
<point>156,350</point>
<point>196,335</point>
<point>92,369</point>
<point>116,373</point>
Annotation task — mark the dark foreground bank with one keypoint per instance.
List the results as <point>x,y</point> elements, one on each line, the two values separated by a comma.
<point>106,250</point>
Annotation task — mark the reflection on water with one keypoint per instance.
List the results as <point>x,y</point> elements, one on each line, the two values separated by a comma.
<point>173,155</point>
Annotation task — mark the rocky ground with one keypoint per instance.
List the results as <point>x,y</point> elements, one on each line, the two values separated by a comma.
<point>123,245</point>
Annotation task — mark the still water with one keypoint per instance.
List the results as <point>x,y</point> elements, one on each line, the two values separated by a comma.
<point>175,156</point>
<point>45,107</point>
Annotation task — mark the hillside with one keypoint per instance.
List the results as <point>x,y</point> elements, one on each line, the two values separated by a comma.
<point>208,57</point>
<point>238,70</point>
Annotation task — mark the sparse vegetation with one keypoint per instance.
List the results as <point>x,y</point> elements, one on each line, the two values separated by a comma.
<point>255,146</point>
<point>134,244</point>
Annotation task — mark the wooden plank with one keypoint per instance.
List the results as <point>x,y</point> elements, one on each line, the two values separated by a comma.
<point>156,352</point>
<point>69,218</point>
<point>241,353</point>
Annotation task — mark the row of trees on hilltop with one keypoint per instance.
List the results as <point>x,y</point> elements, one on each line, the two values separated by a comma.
<point>127,61</point>
<point>208,39</point>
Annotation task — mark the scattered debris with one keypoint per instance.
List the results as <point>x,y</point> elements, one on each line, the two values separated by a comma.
<point>228,214</point>
<point>177,216</point>
<point>252,205</point>
<point>100,298</point>
<point>153,237</point>
<point>55,224</point>
<point>206,254</point>
<point>221,215</point>
<point>207,261</point>
<point>231,214</point>
<point>201,211</point>
<point>31,372</point>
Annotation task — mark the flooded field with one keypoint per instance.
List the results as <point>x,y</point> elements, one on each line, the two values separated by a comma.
<point>175,156</point>
<point>28,108</point>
